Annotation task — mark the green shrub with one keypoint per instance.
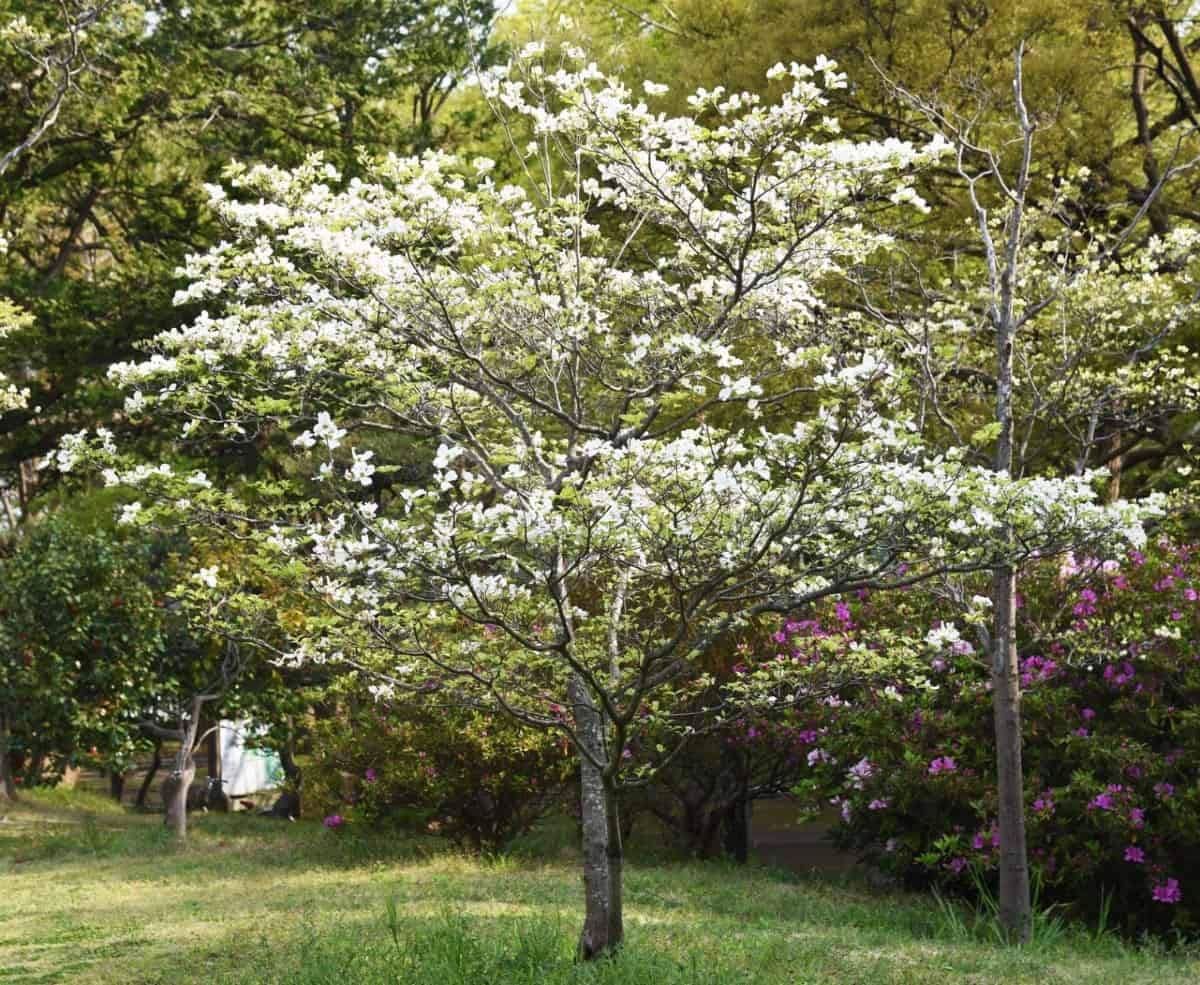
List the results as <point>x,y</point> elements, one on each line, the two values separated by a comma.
<point>478,780</point>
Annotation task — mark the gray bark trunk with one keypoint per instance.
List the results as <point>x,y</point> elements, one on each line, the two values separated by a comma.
<point>177,785</point>
<point>175,792</point>
<point>1016,911</point>
<point>1016,916</point>
<point>603,926</point>
<point>616,872</point>
<point>8,787</point>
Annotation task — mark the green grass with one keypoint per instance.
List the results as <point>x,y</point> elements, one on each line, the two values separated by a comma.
<point>89,894</point>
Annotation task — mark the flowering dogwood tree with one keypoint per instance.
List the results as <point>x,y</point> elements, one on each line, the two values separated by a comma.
<point>647,425</point>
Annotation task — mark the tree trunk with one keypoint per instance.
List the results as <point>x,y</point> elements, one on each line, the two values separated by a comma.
<point>116,785</point>
<point>616,871</point>
<point>1016,909</point>
<point>603,926</point>
<point>737,830</point>
<point>175,792</point>
<point>8,786</point>
<point>1016,915</point>
<point>1116,464</point>
<point>287,760</point>
<point>33,770</point>
<point>144,789</point>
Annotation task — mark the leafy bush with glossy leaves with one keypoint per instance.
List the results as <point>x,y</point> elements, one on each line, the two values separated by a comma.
<point>79,628</point>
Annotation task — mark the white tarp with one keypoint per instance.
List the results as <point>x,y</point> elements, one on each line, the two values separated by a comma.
<point>246,771</point>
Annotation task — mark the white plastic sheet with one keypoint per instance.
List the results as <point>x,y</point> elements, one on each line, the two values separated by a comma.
<point>246,770</point>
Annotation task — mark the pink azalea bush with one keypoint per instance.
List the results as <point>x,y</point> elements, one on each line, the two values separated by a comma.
<point>1111,674</point>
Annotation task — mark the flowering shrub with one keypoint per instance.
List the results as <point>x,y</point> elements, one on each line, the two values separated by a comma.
<point>480,781</point>
<point>1111,674</point>
<point>701,795</point>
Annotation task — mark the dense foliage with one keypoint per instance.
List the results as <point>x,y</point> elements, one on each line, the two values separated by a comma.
<point>419,763</point>
<point>79,628</point>
<point>1111,673</point>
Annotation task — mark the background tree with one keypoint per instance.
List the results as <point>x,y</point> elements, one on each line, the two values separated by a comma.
<point>1107,84</point>
<point>120,126</point>
<point>1117,366</point>
<point>79,628</point>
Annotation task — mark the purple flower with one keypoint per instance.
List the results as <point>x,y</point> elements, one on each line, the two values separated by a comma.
<point>1101,802</point>
<point>843,612</point>
<point>1081,732</point>
<point>956,865</point>
<point>1163,790</point>
<point>334,821</point>
<point>370,775</point>
<point>1167,892</point>
<point>1088,714</point>
<point>859,773</point>
<point>978,842</point>
<point>1044,804</point>
<point>1134,854</point>
<point>1137,817</point>
<point>943,764</point>
<point>877,805</point>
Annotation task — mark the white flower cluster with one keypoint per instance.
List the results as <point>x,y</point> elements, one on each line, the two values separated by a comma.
<point>588,408</point>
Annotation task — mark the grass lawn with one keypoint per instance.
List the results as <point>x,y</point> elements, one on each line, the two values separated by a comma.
<point>91,894</point>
